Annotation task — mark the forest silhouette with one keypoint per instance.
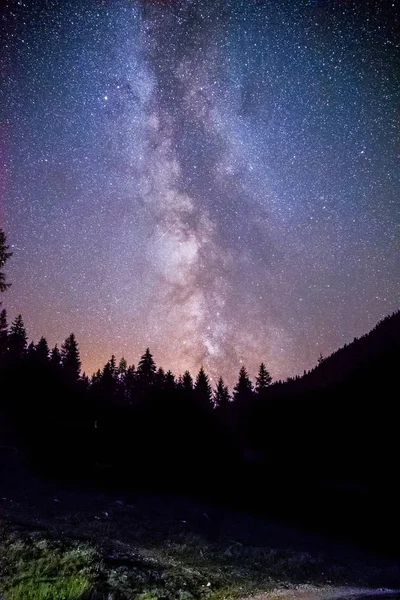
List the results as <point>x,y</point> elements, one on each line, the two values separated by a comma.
<point>324,443</point>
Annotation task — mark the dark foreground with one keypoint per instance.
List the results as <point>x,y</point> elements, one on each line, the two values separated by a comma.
<point>72,542</point>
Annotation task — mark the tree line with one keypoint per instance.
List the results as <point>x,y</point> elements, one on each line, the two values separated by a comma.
<point>337,422</point>
<point>71,421</point>
<point>120,382</point>
<point>117,382</point>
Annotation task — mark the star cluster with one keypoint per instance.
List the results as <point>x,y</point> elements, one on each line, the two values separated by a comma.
<point>215,179</point>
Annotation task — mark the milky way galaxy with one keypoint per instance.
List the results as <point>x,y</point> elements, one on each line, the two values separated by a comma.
<point>214,179</point>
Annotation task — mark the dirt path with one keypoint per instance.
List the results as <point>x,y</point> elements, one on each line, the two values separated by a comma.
<point>309,592</point>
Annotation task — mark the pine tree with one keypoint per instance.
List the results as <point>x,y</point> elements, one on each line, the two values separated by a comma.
<point>187,382</point>
<point>160,378</point>
<point>130,383</point>
<point>17,340</point>
<point>55,357</point>
<point>85,382</point>
<point>70,358</point>
<point>202,389</point>
<point>113,365</point>
<point>221,395</point>
<point>169,381</point>
<point>263,379</point>
<point>3,335</point>
<point>146,368</point>
<point>108,381</point>
<point>31,352</point>
<point>122,367</point>
<point>4,256</point>
<point>243,389</point>
<point>107,374</point>
<point>42,350</point>
<point>95,379</point>
<point>121,379</point>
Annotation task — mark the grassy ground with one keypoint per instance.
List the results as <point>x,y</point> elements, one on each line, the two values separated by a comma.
<point>60,543</point>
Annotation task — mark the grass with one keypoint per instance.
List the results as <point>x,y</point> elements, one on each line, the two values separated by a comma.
<point>90,547</point>
<point>38,568</point>
<point>41,570</point>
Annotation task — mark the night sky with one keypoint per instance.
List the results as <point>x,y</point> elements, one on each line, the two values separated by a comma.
<point>215,179</point>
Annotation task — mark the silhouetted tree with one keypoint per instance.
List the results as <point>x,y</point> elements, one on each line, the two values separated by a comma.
<point>221,395</point>
<point>96,378</point>
<point>187,382</point>
<point>169,381</point>
<point>130,384</point>
<point>121,380</point>
<point>17,340</point>
<point>3,335</point>
<point>85,382</point>
<point>263,379</point>
<point>242,391</point>
<point>55,357</point>
<point>146,369</point>
<point>31,352</point>
<point>111,380</point>
<point>160,378</point>
<point>4,256</point>
<point>113,366</point>
<point>122,367</point>
<point>70,358</point>
<point>42,351</point>
<point>108,380</point>
<point>202,390</point>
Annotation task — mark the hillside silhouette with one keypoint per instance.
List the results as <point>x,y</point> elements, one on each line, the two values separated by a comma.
<point>324,443</point>
<point>340,415</point>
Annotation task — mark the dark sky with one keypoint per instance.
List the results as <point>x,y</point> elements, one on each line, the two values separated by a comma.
<point>215,179</point>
